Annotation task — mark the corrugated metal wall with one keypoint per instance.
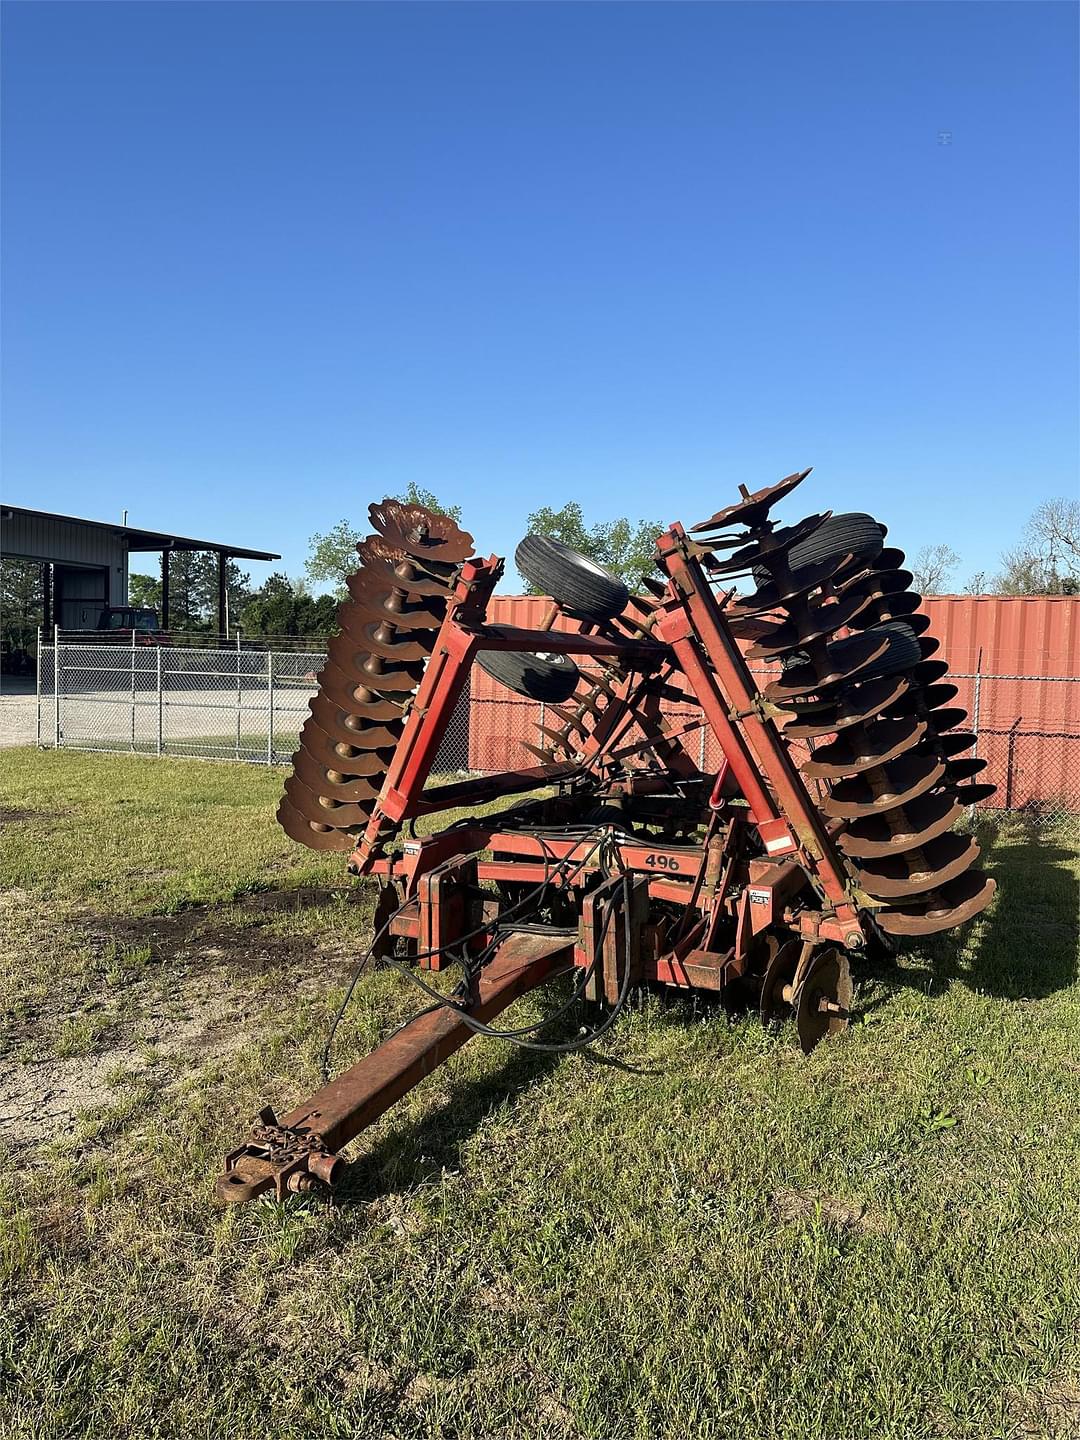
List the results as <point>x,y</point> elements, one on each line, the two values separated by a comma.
<point>1024,650</point>
<point>53,539</point>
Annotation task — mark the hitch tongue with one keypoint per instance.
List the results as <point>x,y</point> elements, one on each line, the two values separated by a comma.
<point>290,1160</point>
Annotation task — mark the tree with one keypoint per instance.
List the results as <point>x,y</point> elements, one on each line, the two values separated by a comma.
<point>932,567</point>
<point>978,584</point>
<point>279,607</point>
<point>1047,559</point>
<point>332,557</point>
<point>145,592</point>
<point>624,547</point>
<point>22,606</point>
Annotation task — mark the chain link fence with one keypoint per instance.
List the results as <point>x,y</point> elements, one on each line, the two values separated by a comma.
<point>245,704</point>
<point>230,703</point>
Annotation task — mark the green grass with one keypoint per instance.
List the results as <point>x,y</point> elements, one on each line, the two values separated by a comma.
<point>714,1237</point>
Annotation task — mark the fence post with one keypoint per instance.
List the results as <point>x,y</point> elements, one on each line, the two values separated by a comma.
<point>701,751</point>
<point>56,687</point>
<point>37,706</point>
<point>238,694</point>
<point>159,699</point>
<point>270,699</point>
<point>133,689</point>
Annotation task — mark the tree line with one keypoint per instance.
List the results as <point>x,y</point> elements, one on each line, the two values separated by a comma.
<point>1044,561</point>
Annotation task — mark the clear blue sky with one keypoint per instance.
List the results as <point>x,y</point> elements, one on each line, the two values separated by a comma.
<point>264,263</point>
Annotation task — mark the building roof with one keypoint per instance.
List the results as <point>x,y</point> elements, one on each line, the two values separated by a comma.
<point>137,538</point>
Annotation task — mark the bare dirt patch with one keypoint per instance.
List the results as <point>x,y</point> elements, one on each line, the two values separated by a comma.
<point>803,1205</point>
<point>207,990</point>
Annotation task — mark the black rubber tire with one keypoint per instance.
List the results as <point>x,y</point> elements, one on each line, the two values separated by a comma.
<point>903,653</point>
<point>549,678</point>
<point>850,534</point>
<point>579,585</point>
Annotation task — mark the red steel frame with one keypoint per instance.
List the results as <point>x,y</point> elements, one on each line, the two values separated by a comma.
<point>692,637</point>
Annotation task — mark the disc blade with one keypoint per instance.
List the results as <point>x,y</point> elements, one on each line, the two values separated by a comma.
<point>373,599</point>
<point>314,836</point>
<point>960,900</point>
<point>863,702</point>
<point>973,794</point>
<point>421,531</point>
<point>769,549</point>
<point>348,789</point>
<point>819,623</point>
<point>392,565</point>
<point>884,789</point>
<point>861,750</point>
<point>926,868</point>
<point>326,811</point>
<point>965,769</point>
<point>350,647</point>
<point>355,696</point>
<point>343,755</point>
<point>946,718</point>
<point>845,660</point>
<point>954,743</point>
<point>752,508</point>
<point>916,823</point>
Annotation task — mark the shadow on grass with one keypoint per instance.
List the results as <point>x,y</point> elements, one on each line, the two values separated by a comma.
<point>1027,947</point>
<point>1026,944</point>
<point>413,1153</point>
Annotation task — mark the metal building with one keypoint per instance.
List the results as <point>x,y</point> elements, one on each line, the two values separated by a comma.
<point>85,562</point>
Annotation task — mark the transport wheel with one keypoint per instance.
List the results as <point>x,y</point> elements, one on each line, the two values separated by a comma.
<point>576,582</point>
<point>550,678</point>
<point>849,534</point>
<point>853,533</point>
<point>904,650</point>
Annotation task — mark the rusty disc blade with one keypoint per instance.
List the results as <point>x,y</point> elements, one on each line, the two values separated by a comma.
<point>421,532</point>
<point>928,645</point>
<point>856,751</point>
<point>350,650</point>
<point>920,701</point>
<point>965,769</point>
<point>770,548</point>
<point>946,718</point>
<point>954,743</point>
<point>314,836</point>
<point>890,558</point>
<point>863,702</point>
<point>894,607</point>
<point>354,695</point>
<point>320,780</point>
<point>558,738</point>
<point>325,810</point>
<point>569,719</point>
<point>927,671</point>
<point>973,794</point>
<point>884,789</point>
<point>845,660</point>
<point>917,823</point>
<point>781,592</point>
<point>823,1002</point>
<point>913,873</point>
<point>818,623</point>
<point>878,585</point>
<point>392,565</point>
<point>368,759</point>
<point>374,599</point>
<point>387,677</point>
<point>753,628</point>
<point>547,756</point>
<point>960,900</point>
<point>752,508</point>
